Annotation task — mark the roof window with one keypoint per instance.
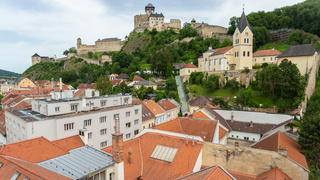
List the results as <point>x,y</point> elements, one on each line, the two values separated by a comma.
<point>164,153</point>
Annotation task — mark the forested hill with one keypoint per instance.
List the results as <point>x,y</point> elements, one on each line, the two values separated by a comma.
<point>8,74</point>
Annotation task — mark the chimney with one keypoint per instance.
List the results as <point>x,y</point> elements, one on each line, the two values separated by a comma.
<point>251,124</point>
<point>236,144</point>
<point>191,116</point>
<point>232,117</point>
<point>130,156</point>
<point>83,133</point>
<point>282,151</point>
<point>60,79</point>
<point>117,150</point>
<point>52,84</point>
<point>187,140</point>
<point>192,141</point>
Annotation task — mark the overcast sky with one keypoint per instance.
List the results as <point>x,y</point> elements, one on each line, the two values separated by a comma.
<point>48,27</point>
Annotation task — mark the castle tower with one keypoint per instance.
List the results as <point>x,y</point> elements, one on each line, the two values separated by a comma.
<point>149,9</point>
<point>243,43</point>
<point>35,59</point>
<point>79,43</point>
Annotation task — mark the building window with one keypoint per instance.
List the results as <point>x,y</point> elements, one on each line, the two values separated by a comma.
<point>231,135</point>
<point>68,126</point>
<point>237,136</point>
<point>116,116</point>
<point>136,132</point>
<point>103,144</point>
<point>74,107</point>
<point>126,100</point>
<point>271,58</point>
<point>136,111</point>
<point>244,53</point>
<point>90,104</point>
<point>128,114</point>
<point>188,71</point>
<point>128,136</point>
<point>90,135</point>
<point>103,119</point>
<point>128,125</point>
<point>57,109</point>
<point>15,176</point>
<point>87,122</point>
<point>253,139</point>
<point>248,53</point>
<point>103,131</point>
<point>136,121</point>
<point>103,103</point>
<point>264,59</point>
<point>246,138</point>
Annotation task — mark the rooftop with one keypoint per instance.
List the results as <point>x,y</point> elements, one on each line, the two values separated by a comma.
<point>243,23</point>
<point>145,83</point>
<point>138,78</point>
<point>298,50</point>
<point>190,65</point>
<point>279,139</point>
<point>69,143</point>
<point>268,52</point>
<point>213,172</point>
<point>72,165</point>
<point>167,105</point>
<point>146,167</point>
<point>146,113</point>
<point>199,101</point>
<point>153,107</point>
<point>221,50</point>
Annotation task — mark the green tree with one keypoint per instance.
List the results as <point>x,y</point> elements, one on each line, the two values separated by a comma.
<point>169,70</point>
<point>212,83</point>
<point>170,85</point>
<point>268,79</point>
<point>116,69</point>
<point>90,54</point>
<point>104,85</point>
<point>70,50</point>
<point>232,85</point>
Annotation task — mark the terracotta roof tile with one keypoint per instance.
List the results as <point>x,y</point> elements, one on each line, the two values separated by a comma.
<point>153,107</point>
<point>69,143</point>
<point>221,50</point>
<point>34,150</point>
<point>149,168</point>
<point>146,113</point>
<point>274,173</point>
<point>274,141</point>
<point>219,118</point>
<point>194,127</point>
<point>242,176</point>
<point>268,52</point>
<point>26,169</point>
<point>79,92</point>
<point>213,172</point>
<point>85,86</point>
<point>116,82</point>
<point>138,78</point>
<point>167,105</point>
<point>213,107</point>
<point>190,65</point>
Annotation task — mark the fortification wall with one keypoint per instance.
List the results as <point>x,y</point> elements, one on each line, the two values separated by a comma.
<point>250,161</point>
<point>100,46</point>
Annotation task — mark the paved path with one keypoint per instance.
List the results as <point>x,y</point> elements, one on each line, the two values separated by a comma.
<point>184,103</point>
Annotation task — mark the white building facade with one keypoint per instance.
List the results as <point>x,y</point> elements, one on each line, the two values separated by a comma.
<point>56,119</point>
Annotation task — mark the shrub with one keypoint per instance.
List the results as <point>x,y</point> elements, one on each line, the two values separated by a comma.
<point>256,66</point>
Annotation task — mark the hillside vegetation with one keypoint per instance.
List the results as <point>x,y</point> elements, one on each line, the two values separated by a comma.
<point>8,74</point>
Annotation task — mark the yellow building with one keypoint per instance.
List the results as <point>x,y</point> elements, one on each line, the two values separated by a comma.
<point>304,56</point>
<point>265,56</point>
<point>23,82</point>
<point>186,71</point>
<point>236,57</point>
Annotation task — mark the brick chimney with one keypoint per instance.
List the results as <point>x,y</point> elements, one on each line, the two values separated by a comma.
<point>251,124</point>
<point>117,150</point>
<point>130,156</point>
<point>232,117</point>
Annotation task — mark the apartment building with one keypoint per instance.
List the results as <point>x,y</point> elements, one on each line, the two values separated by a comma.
<point>91,116</point>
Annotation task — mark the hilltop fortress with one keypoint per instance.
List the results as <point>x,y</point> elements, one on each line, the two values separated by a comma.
<point>107,44</point>
<point>152,20</point>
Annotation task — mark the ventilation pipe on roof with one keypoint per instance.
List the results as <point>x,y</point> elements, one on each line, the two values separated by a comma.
<point>52,84</point>
<point>130,156</point>
<point>232,117</point>
<point>60,79</point>
<point>251,124</point>
<point>192,141</point>
<point>187,140</point>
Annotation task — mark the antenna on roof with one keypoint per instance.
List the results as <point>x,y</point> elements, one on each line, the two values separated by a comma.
<point>243,7</point>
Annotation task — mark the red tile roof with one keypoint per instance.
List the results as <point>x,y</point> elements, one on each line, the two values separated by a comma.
<point>221,50</point>
<point>26,169</point>
<point>3,122</point>
<point>196,127</point>
<point>190,65</point>
<point>149,168</point>
<point>213,107</point>
<point>167,105</point>
<point>268,52</point>
<point>242,176</point>
<point>79,92</point>
<point>138,78</point>
<point>116,82</point>
<point>34,150</point>
<point>146,113</point>
<point>69,143</point>
<point>210,173</point>
<point>86,86</point>
<point>274,141</point>
<point>273,174</point>
<point>153,107</point>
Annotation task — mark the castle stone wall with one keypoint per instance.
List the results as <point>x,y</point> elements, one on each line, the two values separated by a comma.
<point>100,46</point>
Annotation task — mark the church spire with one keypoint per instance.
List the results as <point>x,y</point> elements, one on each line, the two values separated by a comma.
<point>243,22</point>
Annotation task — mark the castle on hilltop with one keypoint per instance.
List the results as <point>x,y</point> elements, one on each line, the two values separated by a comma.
<point>209,31</point>
<point>152,20</point>
<point>37,59</point>
<point>107,44</point>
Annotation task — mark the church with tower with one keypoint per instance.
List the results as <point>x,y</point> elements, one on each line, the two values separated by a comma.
<point>235,57</point>
<point>151,20</point>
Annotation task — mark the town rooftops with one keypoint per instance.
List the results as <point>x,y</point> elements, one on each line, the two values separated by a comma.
<point>199,101</point>
<point>138,78</point>
<point>258,128</point>
<point>204,128</point>
<point>189,65</point>
<point>167,105</point>
<point>146,83</point>
<point>146,113</point>
<point>178,65</point>
<point>221,50</point>
<point>268,52</point>
<point>69,143</point>
<point>12,168</point>
<point>34,150</point>
<point>255,117</point>
<point>213,172</point>
<point>122,76</point>
<point>76,164</point>
<point>153,107</point>
<point>147,167</point>
<point>274,173</point>
<point>243,23</point>
<point>298,50</point>
<point>279,140</point>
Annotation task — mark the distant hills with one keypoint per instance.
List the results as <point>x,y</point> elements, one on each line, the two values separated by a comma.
<point>8,74</point>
